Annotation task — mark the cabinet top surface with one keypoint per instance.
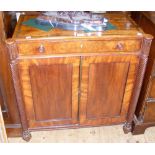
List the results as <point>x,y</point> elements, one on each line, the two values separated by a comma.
<point>124,26</point>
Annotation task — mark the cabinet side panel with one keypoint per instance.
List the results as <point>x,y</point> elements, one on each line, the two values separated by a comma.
<point>149,115</point>
<point>52,91</point>
<point>106,89</point>
<point>152,88</point>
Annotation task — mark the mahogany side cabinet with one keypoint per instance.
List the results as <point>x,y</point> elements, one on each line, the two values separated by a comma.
<point>68,79</point>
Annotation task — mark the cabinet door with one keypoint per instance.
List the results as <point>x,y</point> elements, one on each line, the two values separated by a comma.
<point>50,90</point>
<point>106,87</point>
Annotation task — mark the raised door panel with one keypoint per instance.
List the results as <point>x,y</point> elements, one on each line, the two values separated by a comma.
<point>106,88</point>
<point>50,91</point>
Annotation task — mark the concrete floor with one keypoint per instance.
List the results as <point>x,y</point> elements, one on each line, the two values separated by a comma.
<point>104,134</point>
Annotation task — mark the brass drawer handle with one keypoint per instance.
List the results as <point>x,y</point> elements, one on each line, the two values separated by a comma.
<point>119,46</point>
<point>41,48</point>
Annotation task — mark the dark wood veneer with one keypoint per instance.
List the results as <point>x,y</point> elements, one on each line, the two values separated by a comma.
<point>52,91</point>
<point>106,85</point>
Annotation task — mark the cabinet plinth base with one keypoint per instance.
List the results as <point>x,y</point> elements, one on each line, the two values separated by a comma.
<point>139,127</point>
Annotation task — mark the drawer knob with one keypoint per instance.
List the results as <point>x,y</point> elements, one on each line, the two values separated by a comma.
<point>41,48</point>
<point>120,46</point>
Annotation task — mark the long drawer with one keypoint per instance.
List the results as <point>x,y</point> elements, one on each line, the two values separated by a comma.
<point>58,47</point>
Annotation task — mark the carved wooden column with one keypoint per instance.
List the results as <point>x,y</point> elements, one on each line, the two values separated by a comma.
<point>138,82</point>
<point>9,104</point>
<point>12,49</point>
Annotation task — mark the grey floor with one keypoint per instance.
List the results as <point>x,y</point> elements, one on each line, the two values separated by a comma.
<point>104,134</point>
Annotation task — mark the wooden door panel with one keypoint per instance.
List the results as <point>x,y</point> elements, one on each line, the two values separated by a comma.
<point>50,90</point>
<point>106,88</point>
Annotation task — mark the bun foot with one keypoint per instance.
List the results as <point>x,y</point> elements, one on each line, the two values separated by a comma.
<point>26,135</point>
<point>127,127</point>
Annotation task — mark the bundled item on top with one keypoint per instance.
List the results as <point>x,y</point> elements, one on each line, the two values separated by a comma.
<point>73,20</point>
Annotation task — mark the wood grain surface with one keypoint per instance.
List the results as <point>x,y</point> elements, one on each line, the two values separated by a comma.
<point>79,46</point>
<point>106,88</point>
<point>152,88</point>
<point>124,25</point>
<point>50,90</point>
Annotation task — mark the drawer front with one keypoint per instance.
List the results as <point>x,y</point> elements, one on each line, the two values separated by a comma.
<point>47,47</point>
<point>112,46</point>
